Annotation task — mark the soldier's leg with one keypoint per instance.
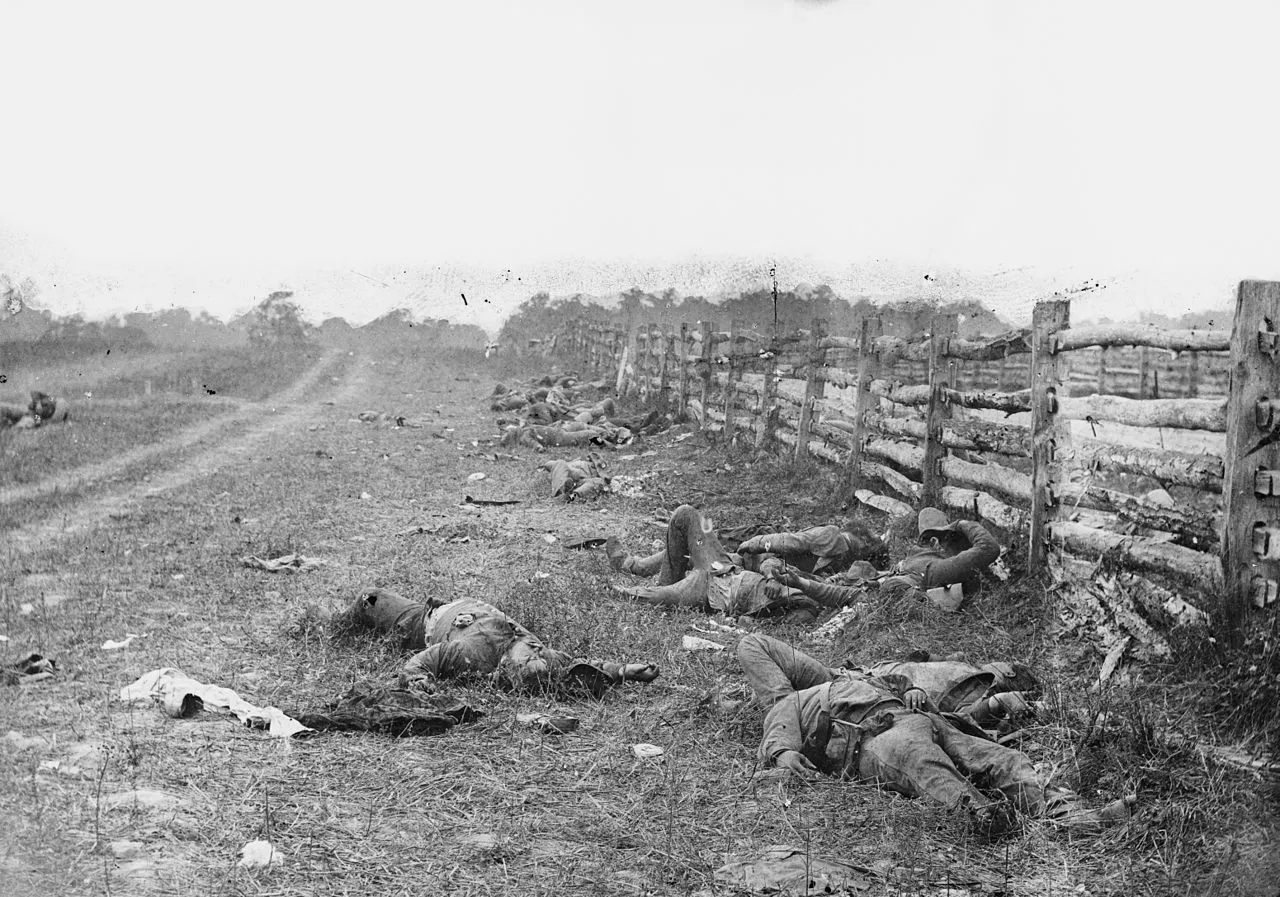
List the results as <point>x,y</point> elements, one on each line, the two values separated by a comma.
<point>633,564</point>
<point>775,669</point>
<point>993,765</point>
<point>689,592</point>
<point>906,758</point>
<point>692,543</point>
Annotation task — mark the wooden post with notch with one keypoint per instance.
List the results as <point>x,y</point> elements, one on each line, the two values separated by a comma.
<point>663,336</point>
<point>944,326</point>
<point>682,368</point>
<point>1251,572</point>
<point>1049,434</point>
<point>864,401</point>
<point>814,389</point>
<point>731,385</point>
<point>768,409</point>
<point>708,366</point>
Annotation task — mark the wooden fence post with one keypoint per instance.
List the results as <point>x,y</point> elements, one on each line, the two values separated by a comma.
<point>664,351</point>
<point>768,409</point>
<point>814,389</point>
<point>708,361</point>
<point>1103,354</point>
<point>938,410</point>
<point>1144,371</point>
<point>1048,433</point>
<point>1250,541</point>
<point>868,368</point>
<point>682,367</point>
<point>731,385</point>
<point>1193,375</point>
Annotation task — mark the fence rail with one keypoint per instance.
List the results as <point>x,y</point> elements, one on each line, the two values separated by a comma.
<point>1018,430</point>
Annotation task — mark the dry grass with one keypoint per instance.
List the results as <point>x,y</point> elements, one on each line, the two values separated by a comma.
<point>495,807</point>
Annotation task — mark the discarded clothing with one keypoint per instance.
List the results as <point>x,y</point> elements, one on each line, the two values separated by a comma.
<point>407,707</point>
<point>289,563</point>
<point>182,696</point>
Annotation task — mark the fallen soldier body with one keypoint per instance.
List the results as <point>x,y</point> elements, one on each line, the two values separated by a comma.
<point>576,479</point>
<point>819,550</point>
<point>467,636</point>
<point>695,571</point>
<point>946,569</point>
<point>988,694</point>
<point>41,409</point>
<point>855,725</point>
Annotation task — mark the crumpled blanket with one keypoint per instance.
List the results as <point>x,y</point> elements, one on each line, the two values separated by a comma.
<point>407,707</point>
<point>288,563</point>
<point>182,696</point>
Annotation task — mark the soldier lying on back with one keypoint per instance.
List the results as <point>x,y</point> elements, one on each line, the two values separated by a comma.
<point>467,636</point>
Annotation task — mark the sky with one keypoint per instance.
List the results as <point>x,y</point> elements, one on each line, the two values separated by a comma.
<point>380,155</point>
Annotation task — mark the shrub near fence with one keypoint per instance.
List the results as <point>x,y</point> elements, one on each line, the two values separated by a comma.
<point>1014,430</point>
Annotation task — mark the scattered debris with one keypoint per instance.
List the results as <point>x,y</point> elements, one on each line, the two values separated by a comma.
<point>468,500</point>
<point>645,751</point>
<point>828,632</point>
<point>112,645</point>
<point>259,855</point>
<point>694,643</point>
<point>141,797</point>
<point>288,563</point>
<point>365,496</point>
<point>476,477</point>
<point>548,725</point>
<point>586,542</point>
<point>21,742</point>
<point>62,768</point>
<point>783,869</point>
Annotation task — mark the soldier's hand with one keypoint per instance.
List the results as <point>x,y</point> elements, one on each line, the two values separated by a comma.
<point>916,699</point>
<point>796,763</point>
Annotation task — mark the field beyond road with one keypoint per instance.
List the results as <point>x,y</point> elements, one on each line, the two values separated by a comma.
<point>141,543</point>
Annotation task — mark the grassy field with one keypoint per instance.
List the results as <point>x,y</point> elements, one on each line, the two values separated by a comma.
<point>101,798</point>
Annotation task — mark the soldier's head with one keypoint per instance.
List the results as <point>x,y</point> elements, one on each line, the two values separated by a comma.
<point>939,533</point>
<point>865,544</point>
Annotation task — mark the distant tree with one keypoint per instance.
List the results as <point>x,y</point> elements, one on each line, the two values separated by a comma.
<point>278,321</point>
<point>14,297</point>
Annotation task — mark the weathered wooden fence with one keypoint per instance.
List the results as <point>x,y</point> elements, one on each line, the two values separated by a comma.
<point>1041,433</point>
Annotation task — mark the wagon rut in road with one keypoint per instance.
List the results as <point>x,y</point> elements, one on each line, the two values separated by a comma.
<point>94,511</point>
<point>104,470</point>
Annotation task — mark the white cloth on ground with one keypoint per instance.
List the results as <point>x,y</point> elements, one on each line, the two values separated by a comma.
<point>174,689</point>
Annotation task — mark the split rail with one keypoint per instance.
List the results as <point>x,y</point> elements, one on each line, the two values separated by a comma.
<point>1074,438</point>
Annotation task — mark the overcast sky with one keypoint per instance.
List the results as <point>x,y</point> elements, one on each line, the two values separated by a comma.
<point>373,155</point>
